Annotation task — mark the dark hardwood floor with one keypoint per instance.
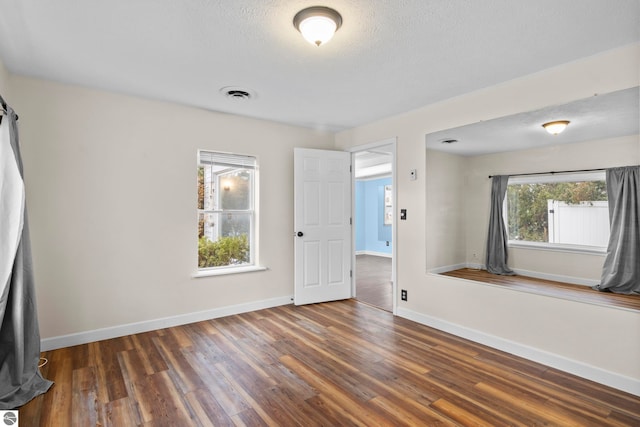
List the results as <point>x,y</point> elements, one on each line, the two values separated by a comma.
<point>550,288</point>
<point>373,281</point>
<point>332,364</point>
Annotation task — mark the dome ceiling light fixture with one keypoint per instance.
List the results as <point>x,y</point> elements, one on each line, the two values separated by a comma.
<point>556,127</point>
<point>317,24</point>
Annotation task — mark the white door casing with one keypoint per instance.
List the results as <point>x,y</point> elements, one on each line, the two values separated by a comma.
<point>322,225</point>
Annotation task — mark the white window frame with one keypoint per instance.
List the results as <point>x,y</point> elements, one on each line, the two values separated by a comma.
<point>204,156</point>
<point>553,178</point>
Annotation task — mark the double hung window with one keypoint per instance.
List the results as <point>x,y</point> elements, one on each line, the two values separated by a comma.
<point>226,210</point>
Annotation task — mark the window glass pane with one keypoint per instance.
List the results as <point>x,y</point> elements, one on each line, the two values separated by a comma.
<point>236,189</point>
<point>574,213</point>
<point>209,188</point>
<point>208,225</point>
<point>225,240</point>
<point>235,224</point>
<point>224,252</point>
<point>200,187</point>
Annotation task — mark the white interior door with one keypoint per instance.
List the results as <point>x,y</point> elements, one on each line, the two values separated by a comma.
<point>322,221</point>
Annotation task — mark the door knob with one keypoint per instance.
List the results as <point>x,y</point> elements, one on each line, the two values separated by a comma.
<point>300,233</point>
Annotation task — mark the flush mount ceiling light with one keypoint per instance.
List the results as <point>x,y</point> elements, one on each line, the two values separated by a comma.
<point>317,24</point>
<point>556,127</point>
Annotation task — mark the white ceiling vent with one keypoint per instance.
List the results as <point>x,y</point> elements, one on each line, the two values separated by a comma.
<point>237,93</point>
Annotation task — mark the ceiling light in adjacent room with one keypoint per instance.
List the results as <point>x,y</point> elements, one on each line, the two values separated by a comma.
<point>317,24</point>
<point>556,127</point>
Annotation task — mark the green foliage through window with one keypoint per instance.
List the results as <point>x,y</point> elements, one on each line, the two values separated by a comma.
<point>527,205</point>
<point>230,250</point>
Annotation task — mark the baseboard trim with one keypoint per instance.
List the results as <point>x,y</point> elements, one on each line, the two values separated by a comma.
<point>476,266</point>
<point>53,343</point>
<point>611,379</point>
<point>445,268</point>
<point>382,254</point>
<point>557,277</point>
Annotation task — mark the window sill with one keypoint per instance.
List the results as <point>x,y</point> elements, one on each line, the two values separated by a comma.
<point>225,271</point>
<point>557,248</point>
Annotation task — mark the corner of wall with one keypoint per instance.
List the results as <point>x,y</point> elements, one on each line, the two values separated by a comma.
<point>4,81</point>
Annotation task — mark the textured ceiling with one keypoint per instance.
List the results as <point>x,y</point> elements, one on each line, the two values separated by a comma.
<point>389,56</point>
<point>603,116</point>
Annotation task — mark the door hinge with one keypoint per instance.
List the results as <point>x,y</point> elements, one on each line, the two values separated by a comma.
<point>350,168</point>
<point>350,273</point>
<point>350,221</point>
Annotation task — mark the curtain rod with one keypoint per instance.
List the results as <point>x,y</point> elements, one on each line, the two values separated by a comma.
<point>553,172</point>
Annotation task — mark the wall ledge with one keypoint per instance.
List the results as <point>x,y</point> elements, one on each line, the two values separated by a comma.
<point>538,275</point>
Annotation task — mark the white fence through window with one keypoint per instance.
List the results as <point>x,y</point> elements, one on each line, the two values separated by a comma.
<point>584,223</point>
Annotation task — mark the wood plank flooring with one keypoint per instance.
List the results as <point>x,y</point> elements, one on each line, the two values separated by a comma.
<point>373,281</point>
<point>550,288</point>
<point>332,364</point>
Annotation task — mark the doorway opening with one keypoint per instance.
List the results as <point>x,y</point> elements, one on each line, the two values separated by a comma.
<point>374,231</point>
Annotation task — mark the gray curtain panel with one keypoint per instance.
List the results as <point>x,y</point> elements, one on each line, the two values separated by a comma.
<point>20,378</point>
<point>497,240</point>
<point>621,270</point>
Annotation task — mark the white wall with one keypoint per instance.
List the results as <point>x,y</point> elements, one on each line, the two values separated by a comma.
<point>4,83</point>
<point>445,201</point>
<point>111,189</point>
<point>595,341</point>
